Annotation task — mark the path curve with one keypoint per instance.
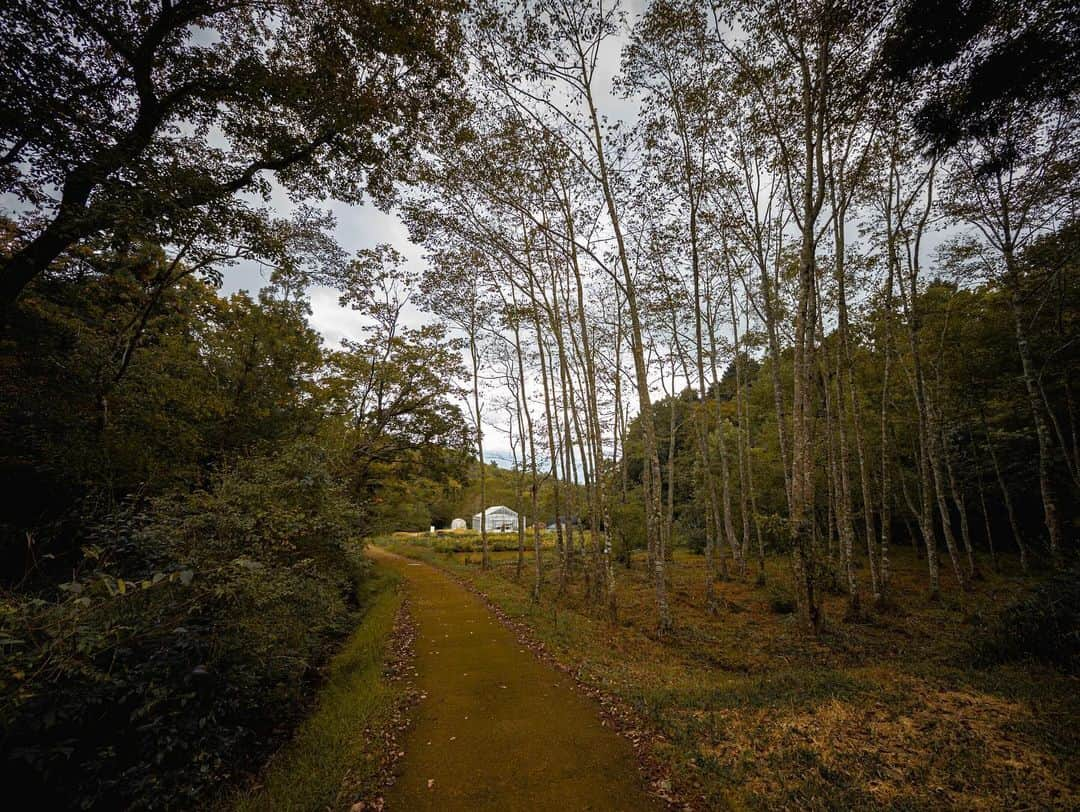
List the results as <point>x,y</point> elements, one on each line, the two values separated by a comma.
<point>498,729</point>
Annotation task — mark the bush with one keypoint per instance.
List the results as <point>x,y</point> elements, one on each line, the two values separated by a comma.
<point>690,528</point>
<point>182,650</point>
<point>781,601</point>
<point>628,528</point>
<point>1044,626</point>
<point>470,542</point>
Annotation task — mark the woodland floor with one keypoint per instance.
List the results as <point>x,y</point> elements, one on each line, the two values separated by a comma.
<point>744,711</point>
<point>495,728</point>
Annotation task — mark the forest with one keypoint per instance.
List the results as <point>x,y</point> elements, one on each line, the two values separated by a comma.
<point>758,305</point>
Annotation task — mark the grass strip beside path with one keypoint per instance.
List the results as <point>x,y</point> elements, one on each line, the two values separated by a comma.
<point>334,758</point>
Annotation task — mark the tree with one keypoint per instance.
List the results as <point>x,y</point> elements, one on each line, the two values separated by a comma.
<point>566,57</point>
<point>671,65</point>
<point>455,288</point>
<point>1012,185</point>
<point>155,118</point>
<point>974,62</point>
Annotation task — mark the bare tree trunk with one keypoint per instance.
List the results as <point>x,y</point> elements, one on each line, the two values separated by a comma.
<point>725,471</point>
<point>987,528</point>
<point>777,386</point>
<point>475,354</point>
<point>601,529</point>
<point>519,477</point>
<point>740,425</point>
<point>701,418</point>
<point>620,420</point>
<point>570,469</point>
<point>1046,449</point>
<point>637,347</point>
<point>847,379</point>
<point>1074,431</point>
<point>694,180</point>
<point>842,487</point>
<point>804,560</point>
<point>1070,462</point>
<point>926,513</point>
<point>562,423</point>
<point>961,509</point>
<point>712,521</point>
<point>937,468</point>
<point>549,420</point>
<point>1018,537</point>
<point>534,482</point>
<point>669,509</point>
<point>893,264</point>
<point>564,522</point>
<point>669,512</point>
<point>747,439</point>
<point>801,520</point>
<point>832,512</point>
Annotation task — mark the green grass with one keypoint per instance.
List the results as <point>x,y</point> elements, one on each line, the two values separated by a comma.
<point>466,541</point>
<point>331,762</point>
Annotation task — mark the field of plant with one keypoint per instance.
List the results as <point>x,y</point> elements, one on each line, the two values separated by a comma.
<point>468,541</point>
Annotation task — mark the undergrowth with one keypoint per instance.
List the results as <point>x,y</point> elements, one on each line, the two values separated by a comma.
<point>335,756</point>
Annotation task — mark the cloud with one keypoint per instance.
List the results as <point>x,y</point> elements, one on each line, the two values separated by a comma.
<point>333,321</point>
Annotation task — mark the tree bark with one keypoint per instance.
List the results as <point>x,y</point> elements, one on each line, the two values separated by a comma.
<point>475,355</point>
<point>1047,486</point>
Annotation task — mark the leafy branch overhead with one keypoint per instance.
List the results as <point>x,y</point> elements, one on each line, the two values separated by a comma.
<point>152,118</point>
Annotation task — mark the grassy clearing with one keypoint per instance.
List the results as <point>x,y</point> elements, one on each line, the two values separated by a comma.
<point>752,714</point>
<point>468,541</point>
<point>331,761</point>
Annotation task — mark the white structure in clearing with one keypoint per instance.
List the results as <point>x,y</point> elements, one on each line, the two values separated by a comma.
<point>500,519</point>
<point>457,524</point>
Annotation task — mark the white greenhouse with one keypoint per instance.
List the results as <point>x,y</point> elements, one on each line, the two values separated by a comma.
<point>500,519</point>
<point>457,524</point>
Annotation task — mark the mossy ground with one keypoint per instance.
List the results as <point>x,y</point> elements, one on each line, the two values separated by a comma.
<point>494,728</point>
<point>885,711</point>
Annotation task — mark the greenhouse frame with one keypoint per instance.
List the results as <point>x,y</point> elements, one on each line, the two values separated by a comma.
<point>500,519</point>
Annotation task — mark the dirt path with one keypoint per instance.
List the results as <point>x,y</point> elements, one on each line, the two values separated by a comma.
<point>499,729</point>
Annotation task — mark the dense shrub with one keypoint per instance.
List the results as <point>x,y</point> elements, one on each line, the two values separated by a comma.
<point>690,528</point>
<point>781,599</point>
<point>628,528</point>
<point>497,543</point>
<point>183,643</point>
<point>1044,625</point>
<point>185,474</point>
